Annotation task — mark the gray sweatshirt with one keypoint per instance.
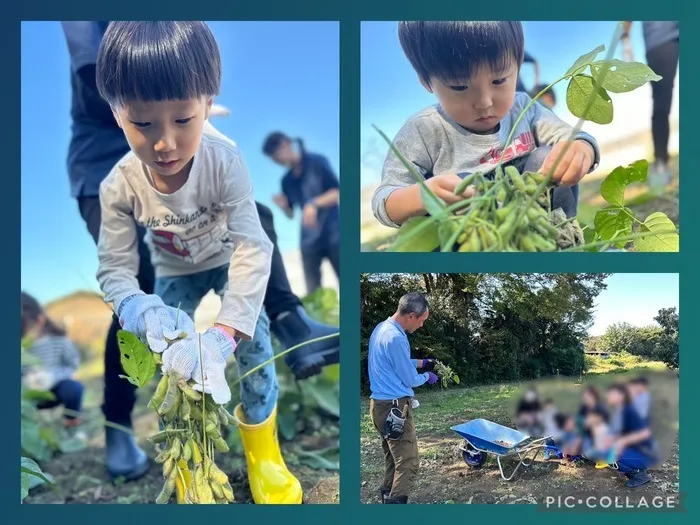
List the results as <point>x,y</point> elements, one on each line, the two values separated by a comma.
<point>436,144</point>
<point>210,222</point>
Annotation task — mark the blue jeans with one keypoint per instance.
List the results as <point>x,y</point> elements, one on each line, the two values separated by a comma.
<point>259,391</point>
<point>634,458</point>
<point>68,393</point>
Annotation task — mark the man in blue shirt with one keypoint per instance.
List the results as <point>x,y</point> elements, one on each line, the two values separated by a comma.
<point>392,377</point>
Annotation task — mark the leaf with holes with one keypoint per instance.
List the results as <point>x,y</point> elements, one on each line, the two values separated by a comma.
<point>622,77</point>
<point>612,223</point>
<point>613,187</point>
<point>584,60</point>
<point>663,237</point>
<point>579,92</point>
<point>410,239</point>
<point>136,359</point>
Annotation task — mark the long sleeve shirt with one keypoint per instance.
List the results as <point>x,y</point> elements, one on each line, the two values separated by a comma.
<point>210,222</point>
<point>436,144</point>
<point>59,359</point>
<point>392,372</point>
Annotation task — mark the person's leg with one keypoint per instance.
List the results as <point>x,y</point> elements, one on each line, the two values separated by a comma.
<point>406,459</point>
<point>633,463</point>
<point>278,296</point>
<point>333,254</point>
<point>124,457</point>
<point>69,393</point>
<point>289,321</point>
<point>663,60</point>
<point>311,260</point>
<point>379,413</point>
<point>270,480</point>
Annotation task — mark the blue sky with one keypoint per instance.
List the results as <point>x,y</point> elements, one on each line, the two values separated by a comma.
<point>276,76</point>
<point>634,298</point>
<point>391,92</point>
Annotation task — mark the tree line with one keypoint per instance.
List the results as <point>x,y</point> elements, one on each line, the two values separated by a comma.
<point>502,327</point>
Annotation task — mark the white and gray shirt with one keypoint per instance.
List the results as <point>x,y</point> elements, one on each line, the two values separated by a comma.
<point>210,222</point>
<point>436,144</point>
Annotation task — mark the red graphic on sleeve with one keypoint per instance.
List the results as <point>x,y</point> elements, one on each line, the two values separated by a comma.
<point>521,145</point>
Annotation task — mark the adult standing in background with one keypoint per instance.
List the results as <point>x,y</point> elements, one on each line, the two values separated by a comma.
<point>528,58</point>
<point>310,185</point>
<point>661,40</point>
<point>392,377</point>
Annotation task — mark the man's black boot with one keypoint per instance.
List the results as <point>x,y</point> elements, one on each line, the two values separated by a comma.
<point>295,327</point>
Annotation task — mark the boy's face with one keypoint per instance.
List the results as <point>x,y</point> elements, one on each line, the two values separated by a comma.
<point>164,135</point>
<point>547,100</point>
<point>480,103</point>
<point>285,155</point>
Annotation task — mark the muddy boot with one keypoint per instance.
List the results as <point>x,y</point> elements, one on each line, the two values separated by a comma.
<point>397,500</point>
<point>124,457</point>
<point>295,327</point>
<point>639,477</point>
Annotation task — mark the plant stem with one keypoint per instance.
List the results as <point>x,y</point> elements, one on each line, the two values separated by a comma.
<point>597,81</point>
<point>631,237</point>
<point>288,350</point>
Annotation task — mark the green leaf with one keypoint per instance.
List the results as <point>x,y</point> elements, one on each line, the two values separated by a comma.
<point>32,443</point>
<point>30,473</point>
<point>410,239</point>
<point>287,425</point>
<point>612,223</point>
<point>130,380</point>
<point>325,395</point>
<point>38,395</point>
<point>590,236</point>
<point>579,92</point>
<point>446,229</point>
<point>622,77</point>
<point>455,378</point>
<point>584,60</point>
<point>136,358</point>
<point>328,459</point>
<point>613,187</point>
<point>433,204</point>
<point>661,239</point>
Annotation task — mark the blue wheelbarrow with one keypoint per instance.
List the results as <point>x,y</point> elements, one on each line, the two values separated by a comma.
<point>483,437</point>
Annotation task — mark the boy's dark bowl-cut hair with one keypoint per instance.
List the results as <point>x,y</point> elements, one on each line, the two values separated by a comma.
<point>158,61</point>
<point>451,51</point>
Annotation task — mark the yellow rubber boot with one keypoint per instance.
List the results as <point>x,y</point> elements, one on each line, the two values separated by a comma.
<point>270,480</point>
<point>179,486</point>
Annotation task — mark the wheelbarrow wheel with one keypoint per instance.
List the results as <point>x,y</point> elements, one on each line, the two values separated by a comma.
<point>473,458</point>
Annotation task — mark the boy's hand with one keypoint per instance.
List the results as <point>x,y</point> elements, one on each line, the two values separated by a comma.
<point>575,164</point>
<point>443,186</point>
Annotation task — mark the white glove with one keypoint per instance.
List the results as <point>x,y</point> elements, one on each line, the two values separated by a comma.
<point>217,347</point>
<point>152,321</point>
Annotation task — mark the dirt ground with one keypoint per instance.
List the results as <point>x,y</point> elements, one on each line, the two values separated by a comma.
<point>81,478</point>
<point>445,478</point>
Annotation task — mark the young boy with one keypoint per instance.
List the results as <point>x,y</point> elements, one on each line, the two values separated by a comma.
<point>189,187</point>
<point>472,68</point>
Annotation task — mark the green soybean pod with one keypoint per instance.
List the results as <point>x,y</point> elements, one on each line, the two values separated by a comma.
<point>462,186</point>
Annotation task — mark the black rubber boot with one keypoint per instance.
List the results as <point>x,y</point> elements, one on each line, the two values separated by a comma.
<point>125,459</point>
<point>295,327</point>
<point>385,494</point>
<point>399,500</point>
<point>639,478</point>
